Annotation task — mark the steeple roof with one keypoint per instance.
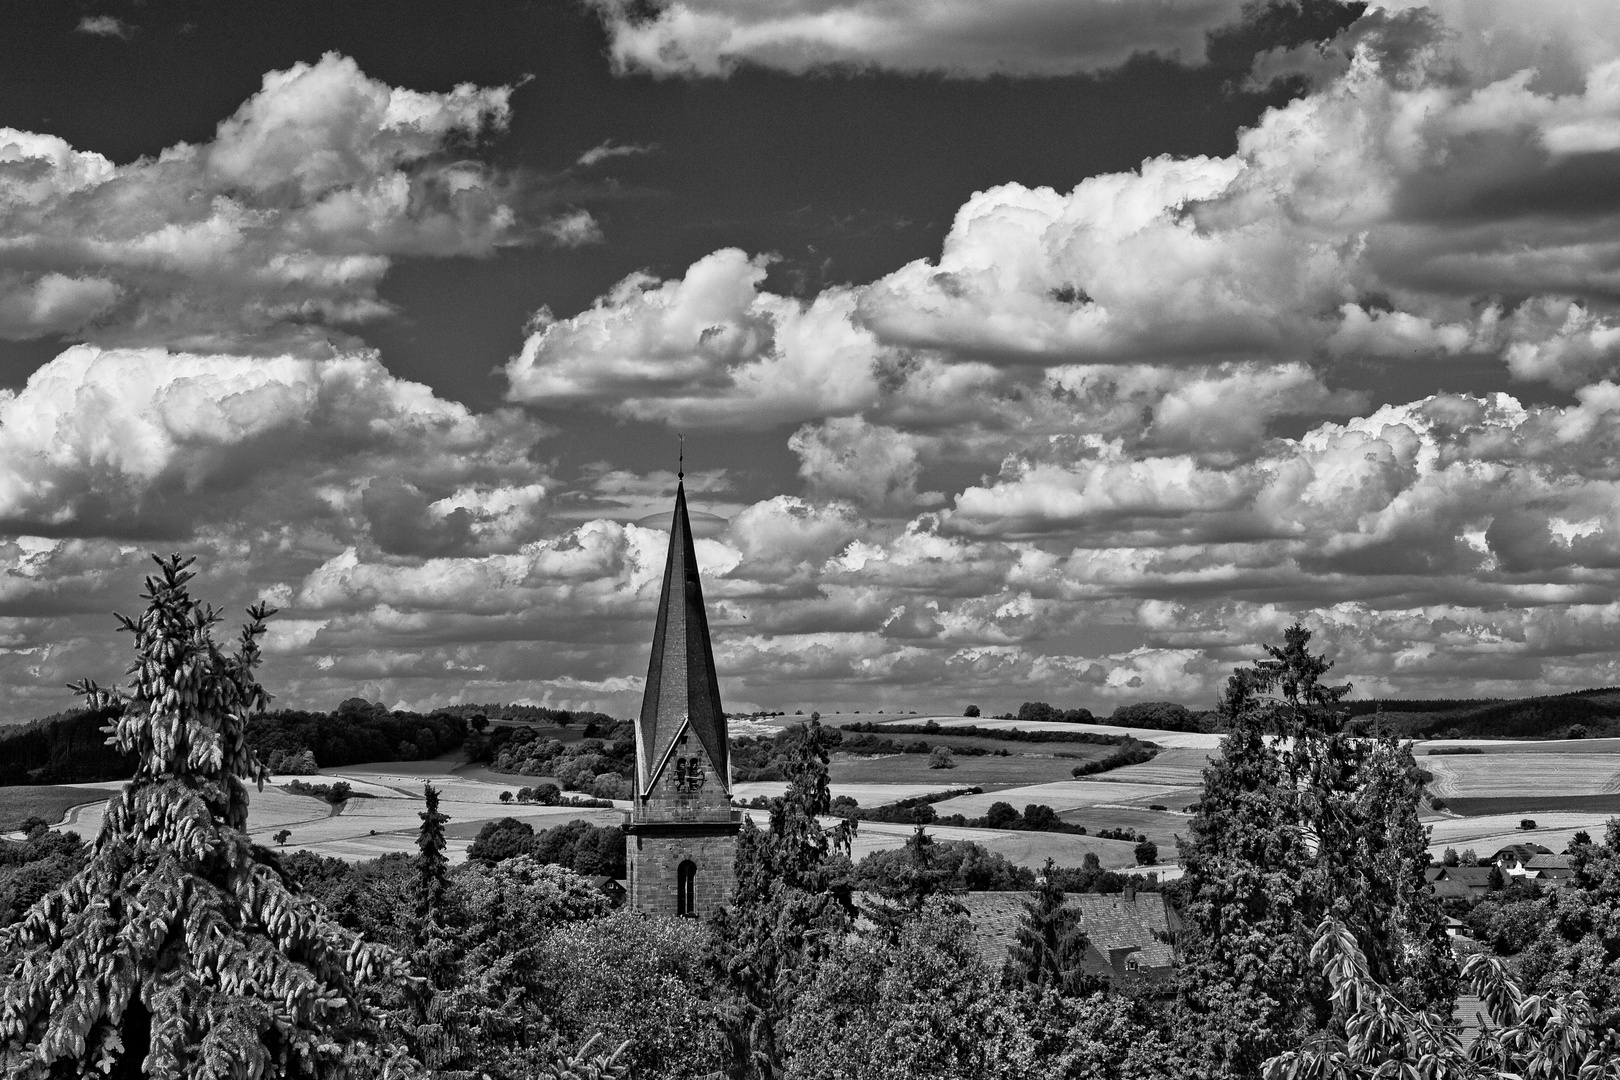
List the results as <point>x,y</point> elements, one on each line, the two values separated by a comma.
<point>682,689</point>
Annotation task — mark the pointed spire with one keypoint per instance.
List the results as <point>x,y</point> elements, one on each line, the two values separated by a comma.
<point>682,689</point>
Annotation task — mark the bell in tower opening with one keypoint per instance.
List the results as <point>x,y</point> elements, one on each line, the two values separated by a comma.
<point>682,830</point>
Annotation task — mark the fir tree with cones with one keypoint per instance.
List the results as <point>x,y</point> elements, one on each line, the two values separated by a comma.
<point>180,950</point>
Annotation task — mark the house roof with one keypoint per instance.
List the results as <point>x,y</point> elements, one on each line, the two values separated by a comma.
<point>682,689</point>
<point>1137,926</point>
<point>1521,853</point>
<point>1475,876</point>
<point>1549,862</point>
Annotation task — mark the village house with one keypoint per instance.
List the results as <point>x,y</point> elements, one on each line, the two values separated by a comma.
<point>1462,882</point>
<point>1129,933</point>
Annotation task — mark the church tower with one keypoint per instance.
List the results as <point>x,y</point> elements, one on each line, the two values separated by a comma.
<point>682,830</point>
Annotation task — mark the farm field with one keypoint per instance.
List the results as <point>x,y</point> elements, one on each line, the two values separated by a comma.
<point>1157,825</point>
<point>1060,796</point>
<point>1183,767</point>
<point>51,802</point>
<point>1494,832</point>
<point>865,794</point>
<point>1030,849</point>
<point>1535,804</point>
<point>1518,774</point>
<point>1186,739</point>
<point>1524,746</point>
<point>368,828</point>
<point>1015,770</point>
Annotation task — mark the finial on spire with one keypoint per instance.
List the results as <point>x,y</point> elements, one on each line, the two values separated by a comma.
<point>680,469</point>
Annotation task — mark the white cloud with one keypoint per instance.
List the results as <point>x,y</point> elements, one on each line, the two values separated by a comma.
<point>276,231</point>
<point>608,149</point>
<point>142,441</point>
<point>710,350</point>
<point>104,26</point>
<point>965,38</point>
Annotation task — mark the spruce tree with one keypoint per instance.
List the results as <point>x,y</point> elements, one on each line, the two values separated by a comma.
<point>793,900</point>
<point>432,868</point>
<point>179,949</point>
<point>1050,947</point>
<point>1298,823</point>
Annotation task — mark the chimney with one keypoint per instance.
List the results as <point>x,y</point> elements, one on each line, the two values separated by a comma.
<point>1130,893</point>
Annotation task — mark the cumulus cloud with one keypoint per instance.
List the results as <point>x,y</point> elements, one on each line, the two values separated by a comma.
<point>1095,451</point>
<point>140,442</point>
<point>847,457</point>
<point>104,26</point>
<point>273,233</point>
<point>1398,213</point>
<point>963,38</point>
<point>709,350</point>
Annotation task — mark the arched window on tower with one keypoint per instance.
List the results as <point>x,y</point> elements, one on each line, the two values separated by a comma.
<point>685,876</point>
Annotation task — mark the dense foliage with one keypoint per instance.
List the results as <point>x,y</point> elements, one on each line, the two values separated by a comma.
<point>1299,823</point>
<point>68,748</point>
<point>1311,946</point>
<point>1165,716</point>
<point>178,949</point>
<point>582,847</point>
<point>600,765</point>
<point>1041,712</point>
<point>963,865</point>
<point>32,867</point>
<point>356,731</point>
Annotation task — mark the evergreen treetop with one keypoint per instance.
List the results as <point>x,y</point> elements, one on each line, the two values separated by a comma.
<point>179,949</point>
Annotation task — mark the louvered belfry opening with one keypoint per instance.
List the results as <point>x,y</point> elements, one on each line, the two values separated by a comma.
<point>681,811</point>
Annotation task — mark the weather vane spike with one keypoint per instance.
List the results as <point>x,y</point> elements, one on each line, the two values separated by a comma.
<point>680,469</point>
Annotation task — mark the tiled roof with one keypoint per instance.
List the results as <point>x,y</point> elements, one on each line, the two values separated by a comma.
<point>1521,853</point>
<point>1548,862</point>
<point>1117,928</point>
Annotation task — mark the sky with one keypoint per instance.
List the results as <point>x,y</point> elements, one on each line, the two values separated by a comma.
<point>1062,350</point>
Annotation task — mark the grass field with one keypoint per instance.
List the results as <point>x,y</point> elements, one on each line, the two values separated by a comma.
<point>1158,826</point>
<point>18,804</point>
<point>1030,849</point>
<point>1530,805</point>
<point>1060,796</point>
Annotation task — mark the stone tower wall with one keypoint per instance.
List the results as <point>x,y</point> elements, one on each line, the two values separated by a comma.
<point>655,861</point>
